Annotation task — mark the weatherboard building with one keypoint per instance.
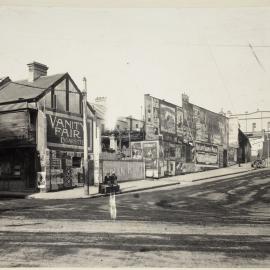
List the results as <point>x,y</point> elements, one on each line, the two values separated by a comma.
<point>41,133</point>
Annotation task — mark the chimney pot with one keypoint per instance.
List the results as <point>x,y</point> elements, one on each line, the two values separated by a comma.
<point>36,70</point>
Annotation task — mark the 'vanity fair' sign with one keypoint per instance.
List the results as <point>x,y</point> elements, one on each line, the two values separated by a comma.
<point>63,130</point>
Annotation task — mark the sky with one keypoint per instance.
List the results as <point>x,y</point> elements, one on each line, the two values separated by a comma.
<point>219,57</point>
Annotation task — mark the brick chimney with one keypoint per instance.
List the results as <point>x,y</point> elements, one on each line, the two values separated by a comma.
<point>36,70</point>
<point>185,98</point>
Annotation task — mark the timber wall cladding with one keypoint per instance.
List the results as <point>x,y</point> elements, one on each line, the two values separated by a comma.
<point>124,170</point>
<point>14,126</point>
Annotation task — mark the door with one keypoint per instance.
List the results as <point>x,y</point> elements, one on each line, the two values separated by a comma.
<point>225,158</point>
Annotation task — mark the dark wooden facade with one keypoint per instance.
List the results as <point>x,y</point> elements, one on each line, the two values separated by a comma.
<point>42,147</point>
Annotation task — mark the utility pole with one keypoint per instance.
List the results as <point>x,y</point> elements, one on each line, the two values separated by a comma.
<point>268,149</point>
<point>85,140</point>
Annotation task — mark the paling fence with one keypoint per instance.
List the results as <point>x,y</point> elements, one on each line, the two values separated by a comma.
<point>126,170</point>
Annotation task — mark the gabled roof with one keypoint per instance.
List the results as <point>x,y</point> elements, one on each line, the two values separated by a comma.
<point>14,91</point>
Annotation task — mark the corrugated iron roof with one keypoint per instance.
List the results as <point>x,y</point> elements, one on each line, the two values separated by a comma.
<point>99,109</point>
<point>14,91</point>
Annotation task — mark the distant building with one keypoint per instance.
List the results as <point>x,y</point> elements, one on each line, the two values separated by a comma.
<point>256,126</point>
<point>129,123</point>
<point>100,107</point>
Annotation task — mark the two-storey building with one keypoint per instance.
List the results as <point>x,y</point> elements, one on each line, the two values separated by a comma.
<point>41,133</point>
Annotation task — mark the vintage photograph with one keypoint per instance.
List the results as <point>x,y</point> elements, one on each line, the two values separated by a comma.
<point>135,134</point>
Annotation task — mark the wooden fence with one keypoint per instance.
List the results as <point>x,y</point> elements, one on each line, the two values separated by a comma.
<point>125,170</point>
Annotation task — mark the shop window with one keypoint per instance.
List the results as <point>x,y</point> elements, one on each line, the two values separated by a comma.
<point>17,170</point>
<point>76,162</point>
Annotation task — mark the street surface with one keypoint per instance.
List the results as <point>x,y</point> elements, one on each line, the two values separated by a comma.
<point>222,223</point>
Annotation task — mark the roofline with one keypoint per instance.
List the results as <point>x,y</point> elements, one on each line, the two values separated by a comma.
<point>91,108</point>
<point>48,89</point>
<point>207,110</point>
<point>18,101</point>
<point>35,99</point>
<point>243,114</point>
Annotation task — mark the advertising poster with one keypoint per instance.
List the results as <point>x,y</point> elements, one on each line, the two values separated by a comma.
<point>167,118</point>
<point>41,179</point>
<point>206,155</point>
<point>179,121</point>
<point>137,152</point>
<point>148,105</point>
<point>150,155</point>
<point>178,167</point>
<point>200,119</point>
<point>151,133</point>
<point>188,123</point>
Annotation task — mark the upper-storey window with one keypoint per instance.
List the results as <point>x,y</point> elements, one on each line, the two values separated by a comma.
<point>74,99</point>
<point>59,96</point>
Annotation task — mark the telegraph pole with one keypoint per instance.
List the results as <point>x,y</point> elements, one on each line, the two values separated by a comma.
<point>268,149</point>
<point>85,140</point>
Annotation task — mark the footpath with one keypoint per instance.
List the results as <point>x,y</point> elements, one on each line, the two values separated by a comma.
<point>147,184</point>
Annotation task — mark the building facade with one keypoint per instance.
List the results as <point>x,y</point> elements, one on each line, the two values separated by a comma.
<point>181,139</point>
<point>256,126</point>
<point>41,133</point>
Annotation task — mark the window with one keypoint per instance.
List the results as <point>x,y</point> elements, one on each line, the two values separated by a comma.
<point>137,126</point>
<point>76,162</point>
<point>253,126</point>
<point>54,106</point>
<point>60,96</point>
<point>74,99</point>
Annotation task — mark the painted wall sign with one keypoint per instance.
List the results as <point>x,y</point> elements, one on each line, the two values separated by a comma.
<point>66,131</point>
